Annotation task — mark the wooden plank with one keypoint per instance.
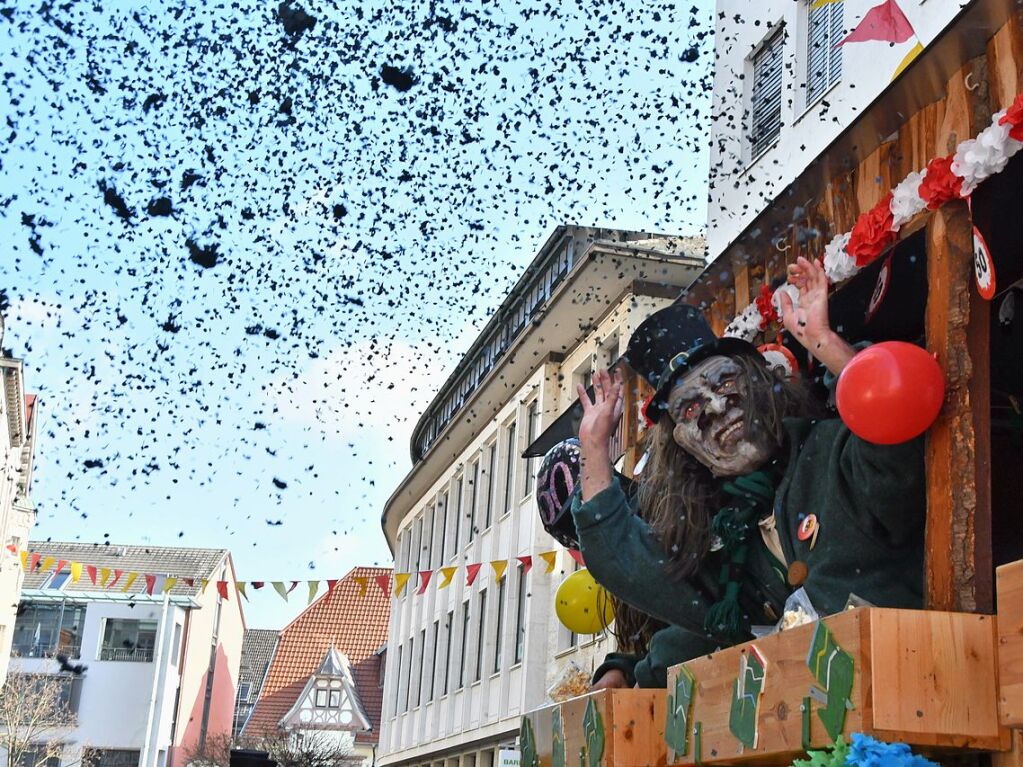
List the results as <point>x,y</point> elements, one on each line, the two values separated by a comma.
<point>950,556</point>
<point>1010,644</point>
<point>978,341</point>
<point>932,678</point>
<point>787,681</point>
<point>1005,63</point>
<point>742,286</point>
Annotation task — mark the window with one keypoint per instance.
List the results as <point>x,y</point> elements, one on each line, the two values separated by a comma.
<point>61,693</point>
<point>109,757</point>
<point>509,460</point>
<point>429,517</point>
<point>474,480</point>
<point>499,633</point>
<point>417,543</point>
<point>176,649</point>
<point>408,685</point>
<point>433,666</point>
<point>243,691</point>
<point>57,580</point>
<point>399,676</point>
<point>442,520</point>
<point>823,54</point>
<point>465,644</point>
<point>488,485</point>
<point>40,755</point>
<point>422,664</point>
<point>458,516</point>
<point>45,630</point>
<point>447,655</point>
<point>765,98</point>
<point>381,668</point>
<point>520,615</point>
<point>481,634</point>
<point>532,432</point>
<point>567,639</point>
<point>128,640</point>
<point>406,546</point>
<point>327,698</point>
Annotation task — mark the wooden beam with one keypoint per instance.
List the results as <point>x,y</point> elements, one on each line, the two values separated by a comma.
<point>950,556</point>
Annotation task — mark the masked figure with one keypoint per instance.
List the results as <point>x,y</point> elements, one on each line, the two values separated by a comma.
<point>747,493</point>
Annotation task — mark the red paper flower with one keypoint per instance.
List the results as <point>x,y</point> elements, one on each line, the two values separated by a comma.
<point>765,305</point>
<point>1014,116</point>
<point>872,233</point>
<point>648,422</point>
<point>940,184</point>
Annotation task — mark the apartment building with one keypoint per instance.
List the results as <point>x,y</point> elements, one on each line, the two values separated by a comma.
<point>158,666</point>
<point>465,661</point>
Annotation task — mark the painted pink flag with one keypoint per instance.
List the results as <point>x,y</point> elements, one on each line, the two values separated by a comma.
<point>885,22</point>
<point>471,571</point>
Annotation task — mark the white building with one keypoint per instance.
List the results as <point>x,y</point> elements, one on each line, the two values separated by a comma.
<point>160,669</point>
<point>464,663</point>
<point>18,413</point>
<point>783,93</point>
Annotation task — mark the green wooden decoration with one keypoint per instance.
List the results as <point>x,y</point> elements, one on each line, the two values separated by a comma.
<point>698,743</point>
<point>833,669</point>
<point>804,711</point>
<point>527,744</point>
<point>680,704</point>
<point>593,731</point>
<point>743,715</point>
<point>558,757</point>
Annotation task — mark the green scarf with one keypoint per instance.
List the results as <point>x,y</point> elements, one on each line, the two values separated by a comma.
<point>752,498</point>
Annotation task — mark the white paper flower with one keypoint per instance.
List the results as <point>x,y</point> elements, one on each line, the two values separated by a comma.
<point>746,324</point>
<point>978,159</point>
<point>791,291</point>
<point>839,265</point>
<point>906,199</point>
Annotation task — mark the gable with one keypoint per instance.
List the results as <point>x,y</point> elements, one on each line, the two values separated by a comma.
<point>326,703</point>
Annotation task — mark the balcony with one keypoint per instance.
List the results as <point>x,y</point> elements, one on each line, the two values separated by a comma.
<point>32,649</point>
<point>127,655</point>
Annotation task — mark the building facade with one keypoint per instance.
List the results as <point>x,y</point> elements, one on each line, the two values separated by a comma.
<point>151,678</point>
<point>465,661</point>
<point>18,413</point>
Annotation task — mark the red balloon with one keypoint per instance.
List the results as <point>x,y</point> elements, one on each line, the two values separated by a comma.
<point>890,392</point>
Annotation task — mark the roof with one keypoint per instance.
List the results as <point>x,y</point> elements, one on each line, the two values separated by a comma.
<point>305,714</point>
<point>258,647</point>
<point>341,619</point>
<point>182,562</point>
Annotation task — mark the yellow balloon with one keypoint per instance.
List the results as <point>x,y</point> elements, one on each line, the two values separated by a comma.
<point>582,605</point>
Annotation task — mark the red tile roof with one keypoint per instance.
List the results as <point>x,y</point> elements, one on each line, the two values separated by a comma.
<point>30,406</point>
<point>356,626</point>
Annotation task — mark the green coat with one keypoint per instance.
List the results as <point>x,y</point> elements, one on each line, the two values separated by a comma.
<point>870,504</point>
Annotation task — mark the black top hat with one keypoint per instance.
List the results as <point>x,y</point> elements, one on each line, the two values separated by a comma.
<point>668,343</point>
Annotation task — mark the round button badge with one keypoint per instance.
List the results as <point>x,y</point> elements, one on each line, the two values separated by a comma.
<point>807,527</point>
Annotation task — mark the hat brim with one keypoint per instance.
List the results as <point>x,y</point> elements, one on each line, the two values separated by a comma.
<point>721,347</point>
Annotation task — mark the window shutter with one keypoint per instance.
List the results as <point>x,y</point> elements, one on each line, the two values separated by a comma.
<point>765,104</point>
<point>823,56</point>
<point>837,20</point>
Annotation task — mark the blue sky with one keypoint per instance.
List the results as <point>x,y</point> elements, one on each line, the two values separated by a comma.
<point>245,371</point>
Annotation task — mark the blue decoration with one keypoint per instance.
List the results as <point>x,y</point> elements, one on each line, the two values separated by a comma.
<point>866,751</point>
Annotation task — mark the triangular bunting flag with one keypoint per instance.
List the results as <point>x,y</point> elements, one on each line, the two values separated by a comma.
<point>61,565</point>
<point>24,560</point>
<point>12,548</point>
<point>47,564</point>
<point>384,582</point>
<point>821,3</point>
<point>104,576</point>
<point>915,51</point>
<point>170,583</point>
<point>33,562</point>
<point>551,558</point>
<point>150,584</point>
<point>294,585</point>
<point>499,565</point>
<point>448,573</point>
<point>257,585</point>
<point>424,581</point>
<point>91,570</point>
<point>76,571</point>
<point>400,579</point>
<point>240,586</point>
<point>203,584</point>
<point>222,590</point>
<point>577,556</point>
<point>117,577</point>
<point>471,571</point>
<point>527,564</point>
<point>314,587</point>
<point>885,22</point>
<point>362,580</point>
<point>280,589</point>
<point>132,577</point>
<point>190,582</point>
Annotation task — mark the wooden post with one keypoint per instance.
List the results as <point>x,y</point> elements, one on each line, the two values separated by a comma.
<point>951,556</point>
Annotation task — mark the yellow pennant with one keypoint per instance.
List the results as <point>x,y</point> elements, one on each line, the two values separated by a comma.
<point>448,573</point>
<point>314,587</point>
<point>915,51</point>
<point>132,577</point>
<point>551,558</point>
<point>104,575</point>
<point>24,560</point>
<point>281,589</point>
<point>240,585</point>
<point>48,562</point>
<point>363,581</point>
<point>499,565</point>
<point>400,581</point>
<point>170,583</point>
<point>76,571</point>
<point>205,583</point>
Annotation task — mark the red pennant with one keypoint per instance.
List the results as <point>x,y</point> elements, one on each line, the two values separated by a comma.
<point>61,565</point>
<point>189,581</point>
<point>12,548</point>
<point>471,571</point>
<point>34,562</point>
<point>150,581</point>
<point>384,582</point>
<point>222,589</point>
<point>331,585</point>
<point>527,564</point>
<point>293,585</point>
<point>577,556</point>
<point>424,580</point>
<point>117,577</point>
<point>257,585</point>
<point>91,570</point>
<point>885,22</point>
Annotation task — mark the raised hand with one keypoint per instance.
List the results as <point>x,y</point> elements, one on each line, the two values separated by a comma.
<point>809,323</point>
<point>600,419</point>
